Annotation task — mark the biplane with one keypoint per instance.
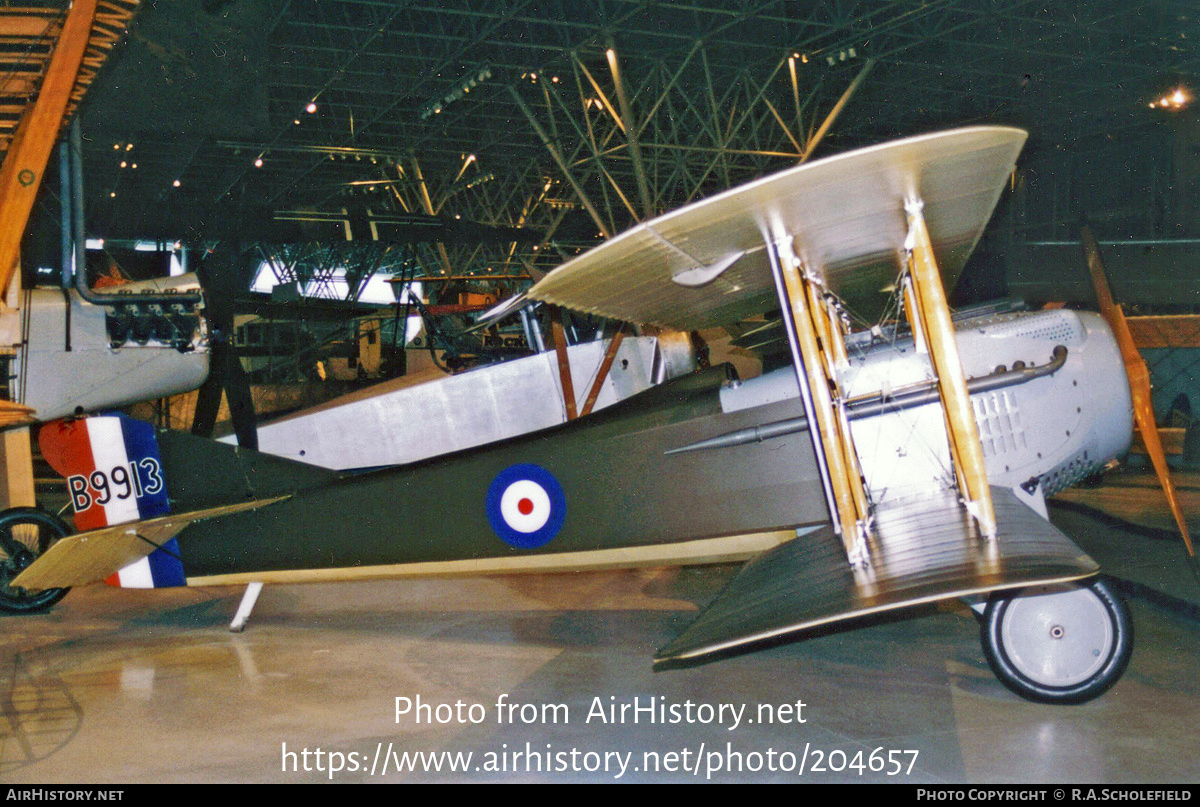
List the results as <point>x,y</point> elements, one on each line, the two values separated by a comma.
<point>902,458</point>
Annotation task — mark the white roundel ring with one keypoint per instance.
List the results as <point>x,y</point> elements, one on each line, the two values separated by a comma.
<point>526,506</point>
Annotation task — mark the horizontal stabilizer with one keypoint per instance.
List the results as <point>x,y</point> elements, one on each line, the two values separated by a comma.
<point>92,556</point>
<point>924,551</point>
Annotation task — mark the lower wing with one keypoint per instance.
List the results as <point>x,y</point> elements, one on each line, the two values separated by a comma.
<point>924,551</point>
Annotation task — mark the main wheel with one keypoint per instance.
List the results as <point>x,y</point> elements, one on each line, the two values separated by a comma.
<point>1058,644</point>
<point>26,533</point>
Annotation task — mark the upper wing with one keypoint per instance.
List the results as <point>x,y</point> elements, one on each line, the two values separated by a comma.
<point>705,264</point>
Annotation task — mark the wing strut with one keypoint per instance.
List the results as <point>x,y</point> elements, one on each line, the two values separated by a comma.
<point>564,362</point>
<point>930,317</point>
<point>602,374</point>
<point>809,329</point>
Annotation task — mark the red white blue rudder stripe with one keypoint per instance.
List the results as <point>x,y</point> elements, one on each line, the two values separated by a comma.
<point>526,506</point>
<point>114,475</point>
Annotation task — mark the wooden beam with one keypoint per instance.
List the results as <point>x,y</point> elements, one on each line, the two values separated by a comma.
<point>27,26</point>
<point>836,444</point>
<point>778,245</point>
<point>16,459</point>
<point>1171,438</point>
<point>934,315</point>
<point>16,86</point>
<point>564,362</point>
<point>609,356</point>
<point>1181,330</point>
<point>29,152</point>
<point>830,339</point>
<point>29,68</point>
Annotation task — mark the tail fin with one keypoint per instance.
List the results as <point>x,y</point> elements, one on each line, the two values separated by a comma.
<point>114,474</point>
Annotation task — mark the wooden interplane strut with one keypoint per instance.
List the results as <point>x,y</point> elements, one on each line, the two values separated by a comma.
<point>930,310</point>
<point>808,333</point>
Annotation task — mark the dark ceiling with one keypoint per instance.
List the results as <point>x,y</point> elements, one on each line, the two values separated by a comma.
<point>709,94</point>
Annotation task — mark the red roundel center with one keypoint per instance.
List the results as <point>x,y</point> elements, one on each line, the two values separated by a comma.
<point>525,506</point>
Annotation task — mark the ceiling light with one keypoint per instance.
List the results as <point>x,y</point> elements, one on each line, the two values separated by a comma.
<point>258,162</point>
<point>456,93</point>
<point>1173,100</point>
<point>176,183</point>
<point>311,108</point>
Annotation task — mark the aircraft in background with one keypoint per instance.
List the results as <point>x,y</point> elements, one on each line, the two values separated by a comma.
<point>901,459</point>
<point>417,417</point>
<point>71,351</point>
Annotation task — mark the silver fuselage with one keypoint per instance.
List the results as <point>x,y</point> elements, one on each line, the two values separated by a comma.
<point>1055,429</point>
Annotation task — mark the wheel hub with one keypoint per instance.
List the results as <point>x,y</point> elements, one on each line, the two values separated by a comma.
<point>1058,644</point>
<point>18,561</point>
<point>1057,638</point>
<point>39,529</point>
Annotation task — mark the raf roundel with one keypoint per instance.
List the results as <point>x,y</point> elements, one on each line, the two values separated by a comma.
<point>526,506</point>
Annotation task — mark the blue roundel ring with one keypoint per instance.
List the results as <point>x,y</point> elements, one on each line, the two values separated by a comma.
<point>526,506</point>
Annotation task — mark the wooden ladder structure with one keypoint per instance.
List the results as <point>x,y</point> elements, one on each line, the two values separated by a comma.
<point>52,56</point>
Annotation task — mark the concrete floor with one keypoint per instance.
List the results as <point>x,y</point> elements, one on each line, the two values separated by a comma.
<point>120,686</point>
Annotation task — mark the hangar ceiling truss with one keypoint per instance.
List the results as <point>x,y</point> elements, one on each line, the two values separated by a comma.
<point>575,118</point>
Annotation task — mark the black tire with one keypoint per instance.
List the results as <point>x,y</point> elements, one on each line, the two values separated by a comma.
<point>1058,644</point>
<point>18,550</point>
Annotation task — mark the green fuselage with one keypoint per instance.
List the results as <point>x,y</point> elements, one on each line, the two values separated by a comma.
<point>619,489</point>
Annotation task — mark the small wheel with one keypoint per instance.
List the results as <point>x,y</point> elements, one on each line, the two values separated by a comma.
<point>1058,644</point>
<point>26,533</point>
